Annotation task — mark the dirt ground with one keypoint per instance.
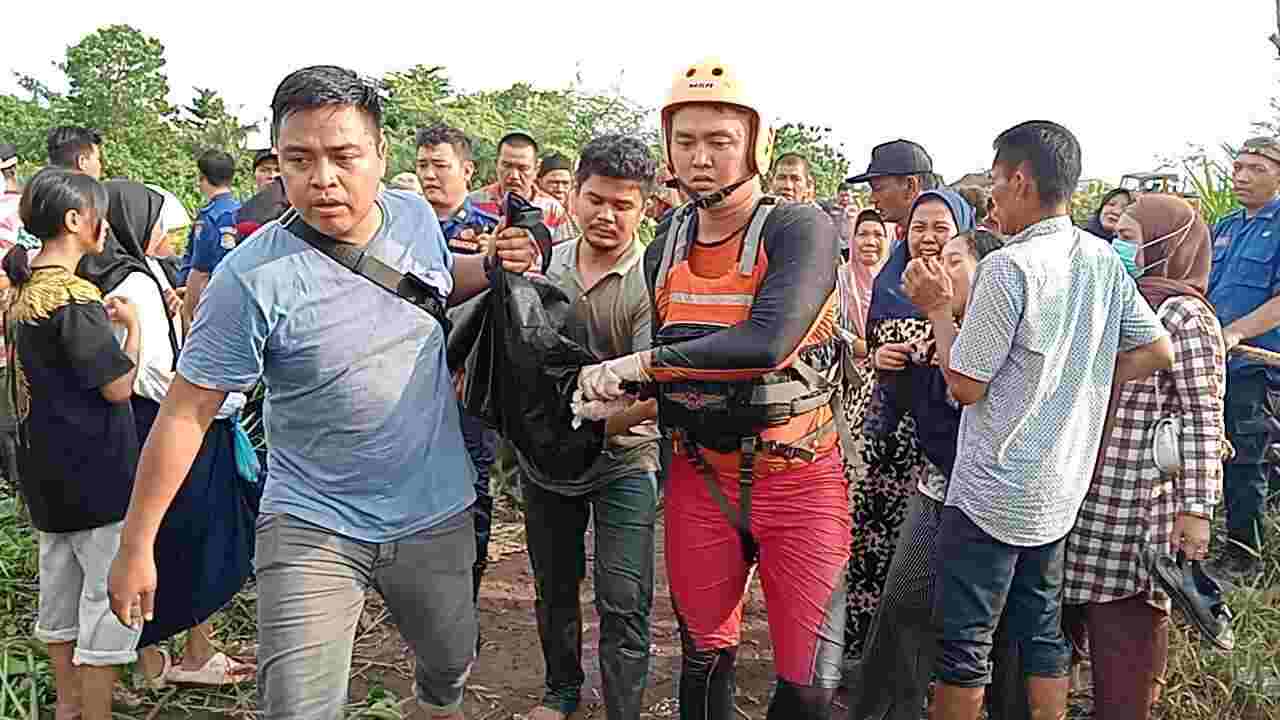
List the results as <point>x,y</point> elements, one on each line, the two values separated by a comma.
<point>507,680</point>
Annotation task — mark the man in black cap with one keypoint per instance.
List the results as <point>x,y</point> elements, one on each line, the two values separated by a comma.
<point>266,167</point>
<point>899,171</point>
<point>555,178</point>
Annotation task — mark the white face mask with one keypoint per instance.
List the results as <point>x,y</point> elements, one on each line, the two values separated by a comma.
<point>1174,239</point>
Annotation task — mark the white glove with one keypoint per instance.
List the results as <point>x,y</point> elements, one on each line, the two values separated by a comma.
<point>594,410</point>
<point>604,381</point>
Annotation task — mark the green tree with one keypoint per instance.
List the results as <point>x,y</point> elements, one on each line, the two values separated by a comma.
<point>1085,201</point>
<point>25,123</point>
<point>561,120</point>
<point>207,124</point>
<point>116,79</point>
<point>117,84</point>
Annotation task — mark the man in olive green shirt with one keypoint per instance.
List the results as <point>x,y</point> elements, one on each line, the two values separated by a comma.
<point>601,272</point>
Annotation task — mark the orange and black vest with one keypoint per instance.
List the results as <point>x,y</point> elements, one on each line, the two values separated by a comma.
<point>787,410</point>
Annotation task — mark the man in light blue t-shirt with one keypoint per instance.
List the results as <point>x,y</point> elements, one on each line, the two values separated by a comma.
<point>368,481</point>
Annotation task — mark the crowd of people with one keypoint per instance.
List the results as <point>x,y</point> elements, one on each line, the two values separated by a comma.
<point>966,445</point>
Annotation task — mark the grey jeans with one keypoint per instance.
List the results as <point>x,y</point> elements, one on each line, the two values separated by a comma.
<point>311,589</point>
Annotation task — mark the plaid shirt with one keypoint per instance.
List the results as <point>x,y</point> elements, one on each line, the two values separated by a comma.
<point>1130,506</point>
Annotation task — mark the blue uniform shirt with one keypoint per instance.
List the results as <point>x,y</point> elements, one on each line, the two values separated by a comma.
<point>213,234</point>
<point>467,216</point>
<point>1246,274</point>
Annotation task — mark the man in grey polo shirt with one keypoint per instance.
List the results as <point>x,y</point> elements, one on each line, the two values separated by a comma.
<point>368,482</point>
<point>1053,320</point>
<point>602,274</point>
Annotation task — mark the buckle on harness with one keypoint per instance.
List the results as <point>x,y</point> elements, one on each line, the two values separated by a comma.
<point>791,452</point>
<point>747,460</point>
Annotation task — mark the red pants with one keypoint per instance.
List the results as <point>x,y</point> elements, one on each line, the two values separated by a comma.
<point>800,521</point>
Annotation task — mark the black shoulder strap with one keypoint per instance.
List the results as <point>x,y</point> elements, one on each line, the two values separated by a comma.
<point>402,285</point>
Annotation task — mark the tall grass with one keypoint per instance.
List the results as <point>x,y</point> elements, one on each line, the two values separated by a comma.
<point>1207,684</point>
<point>1212,184</point>
<point>25,680</point>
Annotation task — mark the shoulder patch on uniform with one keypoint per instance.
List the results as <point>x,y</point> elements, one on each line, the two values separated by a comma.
<point>230,238</point>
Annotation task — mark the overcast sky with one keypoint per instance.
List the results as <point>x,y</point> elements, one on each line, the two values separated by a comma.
<point>1134,79</point>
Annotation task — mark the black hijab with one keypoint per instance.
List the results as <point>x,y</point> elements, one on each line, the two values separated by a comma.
<point>1095,221</point>
<point>133,212</point>
<point>132,215</point>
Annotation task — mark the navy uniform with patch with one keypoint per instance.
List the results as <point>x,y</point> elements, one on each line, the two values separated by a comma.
<point>214,233</point>
<point>1246,275</point>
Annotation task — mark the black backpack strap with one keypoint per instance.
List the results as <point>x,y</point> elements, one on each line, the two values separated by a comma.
<point>403,285</point>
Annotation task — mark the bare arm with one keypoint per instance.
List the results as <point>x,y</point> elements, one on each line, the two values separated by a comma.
<point>469,278</point>
<point>1259,322</point>
<point>1144,361</point>
<point>197,281</point>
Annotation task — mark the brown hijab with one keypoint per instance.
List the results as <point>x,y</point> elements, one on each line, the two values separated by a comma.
<point>1176,249</point>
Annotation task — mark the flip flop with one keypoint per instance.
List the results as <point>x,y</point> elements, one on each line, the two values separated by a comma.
<point>218,671</point>
<point>1198,595</point>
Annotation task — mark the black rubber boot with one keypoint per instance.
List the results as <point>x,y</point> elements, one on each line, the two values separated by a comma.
<point>707,682</point>
<point>800,702</point>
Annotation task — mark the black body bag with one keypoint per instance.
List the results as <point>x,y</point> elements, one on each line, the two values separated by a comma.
<point>521,369</point>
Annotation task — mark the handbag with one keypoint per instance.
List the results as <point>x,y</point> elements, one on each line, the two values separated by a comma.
<point>1166,437</point>
<point>1166,445</point>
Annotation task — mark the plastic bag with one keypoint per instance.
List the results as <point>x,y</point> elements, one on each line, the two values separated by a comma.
<point>247,466</point>
<point>520,372</point>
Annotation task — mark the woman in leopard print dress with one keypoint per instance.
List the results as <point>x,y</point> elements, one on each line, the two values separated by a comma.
<point>895,463</point>
<point>869,247</point>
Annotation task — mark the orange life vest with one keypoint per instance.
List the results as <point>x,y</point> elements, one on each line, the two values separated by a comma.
<point>782,416</point>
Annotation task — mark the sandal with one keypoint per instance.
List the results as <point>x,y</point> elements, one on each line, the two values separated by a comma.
<point>1198,595</point>
<point>142,682</point>
<point>218,671</point>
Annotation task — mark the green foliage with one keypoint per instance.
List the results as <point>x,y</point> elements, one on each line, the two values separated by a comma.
<point>1085,202</point>
<point>25,123</point>
<point>1207,684</point>
<point>116,78</point>
<point>26,682</point>
<point>561,120</point>
<point>829,165</point>
<point>1212,184</point>
<point>117,84</point>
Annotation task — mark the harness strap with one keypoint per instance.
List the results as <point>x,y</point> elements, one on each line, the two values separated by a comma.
<point>812,376</point>
<point>674,230</point>
<point>796,448</point>
<point>794,394</point>
<point>751,243</point>
<point>740,521</point>
<point>746,477</point>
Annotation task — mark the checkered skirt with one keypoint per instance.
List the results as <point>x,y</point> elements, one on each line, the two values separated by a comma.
<point>1130,505</point>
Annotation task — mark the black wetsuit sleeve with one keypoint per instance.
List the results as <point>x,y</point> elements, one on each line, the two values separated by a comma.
<point>802,246</point>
